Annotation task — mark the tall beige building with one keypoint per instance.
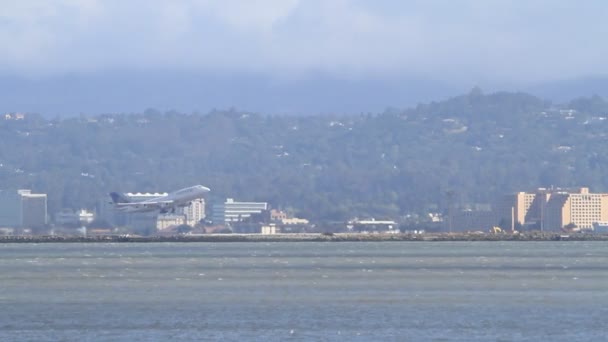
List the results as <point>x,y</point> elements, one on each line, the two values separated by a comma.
<point>580,209</point>
<point>516,208</point>
<point>195,212</point>
<point>553,209</point>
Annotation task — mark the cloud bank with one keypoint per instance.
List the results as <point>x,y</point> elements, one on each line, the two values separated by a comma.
<point>473,41</point>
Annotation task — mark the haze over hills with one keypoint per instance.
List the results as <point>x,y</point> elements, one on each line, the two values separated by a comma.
<point>131,91</point>
<point>325,167</point>
<point>292,56</point>
<point>565,90</point>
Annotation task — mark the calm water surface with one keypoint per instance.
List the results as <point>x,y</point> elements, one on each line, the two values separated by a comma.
<point>387,291</point>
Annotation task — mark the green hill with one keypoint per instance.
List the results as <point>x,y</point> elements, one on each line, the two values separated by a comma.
<point>324,167</point>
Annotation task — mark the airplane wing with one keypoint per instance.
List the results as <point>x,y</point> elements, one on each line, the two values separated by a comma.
<point>149,205</point>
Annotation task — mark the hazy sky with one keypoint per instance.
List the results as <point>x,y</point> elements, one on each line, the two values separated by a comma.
<point>505,41</point>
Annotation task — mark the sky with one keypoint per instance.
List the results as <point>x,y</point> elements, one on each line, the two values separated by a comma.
<point>499,40</point>
<point>466,42</point>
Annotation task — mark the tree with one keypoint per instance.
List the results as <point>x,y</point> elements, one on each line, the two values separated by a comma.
<point>330,168</point>
<point>183,229</point>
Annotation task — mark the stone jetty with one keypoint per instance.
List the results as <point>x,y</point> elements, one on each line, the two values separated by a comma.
<point>350,237</point>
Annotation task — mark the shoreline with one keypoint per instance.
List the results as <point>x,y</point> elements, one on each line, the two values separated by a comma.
<point>537,236</point>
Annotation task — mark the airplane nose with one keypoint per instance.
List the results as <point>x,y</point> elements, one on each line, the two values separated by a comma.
<point>204,188</point>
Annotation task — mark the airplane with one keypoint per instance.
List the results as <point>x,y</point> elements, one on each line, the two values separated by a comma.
<point>164,204</point>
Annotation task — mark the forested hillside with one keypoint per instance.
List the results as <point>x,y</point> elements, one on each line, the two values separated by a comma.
<point>324,167</point>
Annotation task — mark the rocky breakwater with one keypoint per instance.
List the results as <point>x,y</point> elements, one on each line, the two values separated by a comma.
<point>531,236</point>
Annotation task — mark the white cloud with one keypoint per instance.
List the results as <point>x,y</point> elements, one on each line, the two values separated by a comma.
<point>241,15</point>
<point>465,39</point>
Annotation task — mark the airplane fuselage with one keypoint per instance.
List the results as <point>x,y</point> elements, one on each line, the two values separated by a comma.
<point>169,202</point>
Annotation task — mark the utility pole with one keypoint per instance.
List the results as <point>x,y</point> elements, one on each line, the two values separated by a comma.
<point>450,194</point>
<point>512,220</point>
<point>542,211</point>
<point>542,214</point>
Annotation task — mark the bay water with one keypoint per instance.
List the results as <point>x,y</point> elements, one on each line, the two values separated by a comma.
<point>301,291</point>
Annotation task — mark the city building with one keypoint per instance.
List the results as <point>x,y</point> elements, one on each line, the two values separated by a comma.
<point>282,218</point>
<point>233,211</point>
<point>472,220</point>
<point>167,221</point>
<point>600,227</point>
<point>195,212</point>
<point>371,225</point>
<point>294,221</point>
<point>69,217</point>
<point>14,116</point>
<point>575,210</point>
<point>521,209</point>
<point>7,231</point>
<point>10,209</point>
<point>34,209</point>
<point>277,215</point>
<point>554,209</point>
<point>22,209</point>
<point>270,229</point>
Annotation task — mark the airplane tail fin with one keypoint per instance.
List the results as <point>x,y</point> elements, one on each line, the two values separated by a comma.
<point>119,198</point>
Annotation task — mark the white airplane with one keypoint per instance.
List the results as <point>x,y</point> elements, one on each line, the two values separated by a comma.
<point>164,204</point>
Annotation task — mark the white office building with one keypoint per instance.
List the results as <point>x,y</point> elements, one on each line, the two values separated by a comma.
<point>70,217</point>
<point>22,209</point>
<point>167,221</point>
<point>233,211</point>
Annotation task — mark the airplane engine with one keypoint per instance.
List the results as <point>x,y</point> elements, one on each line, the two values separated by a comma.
<point>167,208</point>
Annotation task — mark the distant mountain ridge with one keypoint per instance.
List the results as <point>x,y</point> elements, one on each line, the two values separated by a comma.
<point>116,92</point>
<point>132,92</point>
<point>566,90</point>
